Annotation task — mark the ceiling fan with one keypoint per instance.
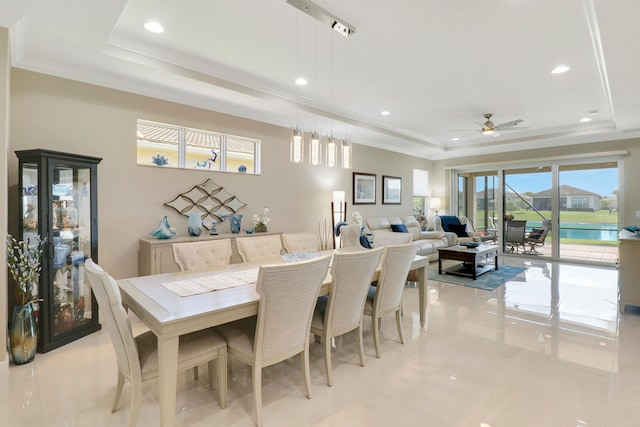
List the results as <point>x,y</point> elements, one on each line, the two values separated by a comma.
<point>489,128</point>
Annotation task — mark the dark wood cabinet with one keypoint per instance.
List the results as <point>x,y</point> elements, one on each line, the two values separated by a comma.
<point>58,201</point>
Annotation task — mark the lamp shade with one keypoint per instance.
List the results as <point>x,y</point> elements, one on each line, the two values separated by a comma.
<point>435,203</point>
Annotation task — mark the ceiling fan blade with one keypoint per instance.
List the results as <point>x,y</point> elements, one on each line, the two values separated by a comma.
<point>510,124</point>
<point>469,134</point>
<point>495,134</point>
<point>515,128</point>
<point>464,130</point>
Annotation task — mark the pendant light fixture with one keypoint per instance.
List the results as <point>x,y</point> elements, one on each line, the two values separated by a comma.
<point>332,152</point>
<point>315,148</point>
<point>346,144</point>
<point>296,150</point>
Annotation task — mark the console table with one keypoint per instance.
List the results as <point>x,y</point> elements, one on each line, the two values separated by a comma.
<point>155,256</point>
<point>629,271</point>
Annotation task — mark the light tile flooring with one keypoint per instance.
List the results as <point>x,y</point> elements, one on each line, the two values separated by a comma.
<point>548,349</point>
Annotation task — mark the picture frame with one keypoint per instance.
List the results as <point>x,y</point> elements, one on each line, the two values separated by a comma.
<point>391,190</point>
<point>364,188</point>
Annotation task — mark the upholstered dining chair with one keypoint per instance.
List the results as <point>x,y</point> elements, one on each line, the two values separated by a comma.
<point>138,357</point>
<point>350,236</point>
<point>201,255</point>
<point>341,311</point>
<point>386,297</point>
<point>281,330</point>
<point>300,242</point>
<point>259,248</point>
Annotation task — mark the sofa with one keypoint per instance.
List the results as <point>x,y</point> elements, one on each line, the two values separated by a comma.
<point>427,242</point>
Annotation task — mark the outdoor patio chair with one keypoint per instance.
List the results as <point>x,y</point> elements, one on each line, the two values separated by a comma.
<point>537,236</point>
<point>514,236</point>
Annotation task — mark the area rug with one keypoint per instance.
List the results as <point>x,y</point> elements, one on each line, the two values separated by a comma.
<point>487,281</point>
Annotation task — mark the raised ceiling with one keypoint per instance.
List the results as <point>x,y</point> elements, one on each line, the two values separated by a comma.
<point>435,65</point>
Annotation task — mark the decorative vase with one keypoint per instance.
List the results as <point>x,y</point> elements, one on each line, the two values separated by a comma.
<point>235,223</point>
<point>194,224</point>
<point>164,230</point>
<point>60,252</point>
<point>261,228</point>
<point>23,335</point>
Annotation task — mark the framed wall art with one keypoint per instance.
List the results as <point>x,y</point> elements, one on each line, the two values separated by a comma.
<point>364,188</point>
<point>391,190</point>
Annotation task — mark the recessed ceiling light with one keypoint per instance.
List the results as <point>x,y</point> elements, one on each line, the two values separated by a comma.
<point>585,119</point>
<point>154,27</point>
<point>594,112</point>
<point>301,81</point>
<point>560,69</point>
<point>385,113</point>
<point>455,139</point>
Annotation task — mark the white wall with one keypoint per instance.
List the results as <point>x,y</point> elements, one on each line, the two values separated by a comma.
<point>5,68</point>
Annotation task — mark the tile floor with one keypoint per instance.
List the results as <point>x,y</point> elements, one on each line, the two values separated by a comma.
<point>547,349</point>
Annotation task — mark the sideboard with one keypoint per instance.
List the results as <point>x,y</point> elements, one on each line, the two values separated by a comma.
<point>155,256</point>
<point>629,271</point>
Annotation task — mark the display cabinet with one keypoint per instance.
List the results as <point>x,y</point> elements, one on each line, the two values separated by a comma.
<point>58,201</point>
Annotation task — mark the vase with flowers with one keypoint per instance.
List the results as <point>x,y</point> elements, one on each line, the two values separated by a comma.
<point>261,220</point>
<point>24,261</point>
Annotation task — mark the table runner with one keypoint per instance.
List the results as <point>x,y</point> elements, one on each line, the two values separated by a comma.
<point>214,282</point>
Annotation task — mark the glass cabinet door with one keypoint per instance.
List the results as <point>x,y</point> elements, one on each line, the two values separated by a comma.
<point>59,203</point>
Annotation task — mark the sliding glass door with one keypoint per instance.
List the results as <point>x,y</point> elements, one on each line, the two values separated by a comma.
<point>588,210</point>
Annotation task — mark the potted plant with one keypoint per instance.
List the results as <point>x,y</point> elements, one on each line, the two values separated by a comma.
<point>261,220</point>
<point>24,262</point>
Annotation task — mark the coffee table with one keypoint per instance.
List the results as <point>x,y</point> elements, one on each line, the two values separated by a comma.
<point>470,258</point>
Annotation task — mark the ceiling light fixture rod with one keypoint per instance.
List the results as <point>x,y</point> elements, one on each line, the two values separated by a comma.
<point>322,15</point>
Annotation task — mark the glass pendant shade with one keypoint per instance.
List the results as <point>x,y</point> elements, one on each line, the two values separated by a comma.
<point>297,147</point>
<point>332,152</point>
<point>346,154</point>
<point>315,151</point>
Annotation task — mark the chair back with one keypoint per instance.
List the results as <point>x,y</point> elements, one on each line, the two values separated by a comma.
<point>351,274</point>
<point>300,242</point>
<point>538,235</point>
<point>350,236</point>
<point>515,231</point>
<point>115,317</point>
<point>201,255</point>
<point>288,294</point>
<point>391,238</point>
<point>396,262</point>
<point>259,248</point>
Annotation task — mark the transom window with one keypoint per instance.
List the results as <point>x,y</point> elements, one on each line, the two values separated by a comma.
<point>165,145</point>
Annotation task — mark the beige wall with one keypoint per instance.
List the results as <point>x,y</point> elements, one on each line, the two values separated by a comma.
<point>630,202</point>
<point>63,115</point>
<point>5,69</point>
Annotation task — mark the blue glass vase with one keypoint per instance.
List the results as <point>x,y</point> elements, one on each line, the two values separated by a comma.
<point>235,222</point>
<point>194,224</point>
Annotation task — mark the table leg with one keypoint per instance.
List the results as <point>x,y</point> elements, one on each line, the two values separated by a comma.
<point>423,274</point>
<point>474,265</point>
<point>440,264</point>
<point>495,260</point>
<point>168,378</point>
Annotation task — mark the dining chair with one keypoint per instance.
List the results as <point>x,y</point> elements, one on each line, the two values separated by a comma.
<point>341,311</point>
<point>138,356</point>
<point>386,297</point>
<point>300,242</point>
<point>350,236</point>
<point>201,255</point>
<point>259,248</point>
<point>281,329</point>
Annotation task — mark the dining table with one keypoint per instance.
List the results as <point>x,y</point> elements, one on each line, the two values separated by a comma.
<point>163,303</point>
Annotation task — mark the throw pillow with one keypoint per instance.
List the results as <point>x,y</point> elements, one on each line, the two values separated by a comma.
<point>459,229</point>
<point>399,228</point>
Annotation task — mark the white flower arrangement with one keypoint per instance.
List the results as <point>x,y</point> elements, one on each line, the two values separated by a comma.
<point>24,262</point>
<point>261,220</point>
<point>357,218</point>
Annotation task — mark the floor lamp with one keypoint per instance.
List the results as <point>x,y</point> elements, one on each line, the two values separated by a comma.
<point>338,213</point>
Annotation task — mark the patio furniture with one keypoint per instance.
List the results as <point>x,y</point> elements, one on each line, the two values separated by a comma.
<point>514,236</point>
<point>537,236</point>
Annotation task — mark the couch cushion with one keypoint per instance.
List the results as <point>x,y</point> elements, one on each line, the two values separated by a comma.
<point>379,223</point>
<point>399,228</point>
